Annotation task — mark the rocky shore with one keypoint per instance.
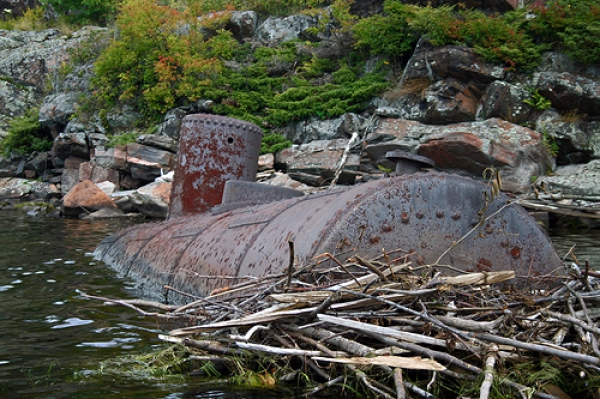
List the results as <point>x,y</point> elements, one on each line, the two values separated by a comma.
<point>540,130</point>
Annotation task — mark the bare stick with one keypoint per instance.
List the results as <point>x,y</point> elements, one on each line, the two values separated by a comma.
<point>418,391</point>
<point>291,263</point>
<point>364,262</point>
<point>563,354</point>
<point>488,379</point>
<point>442,356</point>
<point>339,168</point>
<point>406,309</point>
<point>328,384</point>
<point>131,306</point>
<point>591,328</point>
<point>277,351</point>
<point>399,382</point>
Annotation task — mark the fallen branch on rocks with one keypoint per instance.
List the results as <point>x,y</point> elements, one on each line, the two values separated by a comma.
<point>396,331</point>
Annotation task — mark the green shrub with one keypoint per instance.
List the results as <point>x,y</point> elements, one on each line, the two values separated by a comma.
<point>123,139</point>
<point>497,38</point>
<point>388,34</point>
<point>25,135</point>
<point>571,25</point>
<point>273,142</point>
<point>161,59</point>
<point>501,39</point>
<point>439,24</point>
<point>85,11</point>
<point>32,19</point>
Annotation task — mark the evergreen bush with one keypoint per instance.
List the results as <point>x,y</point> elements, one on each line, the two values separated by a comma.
<point>25,135</point>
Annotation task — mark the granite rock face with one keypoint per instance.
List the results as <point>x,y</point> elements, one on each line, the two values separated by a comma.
<point>29,62</point>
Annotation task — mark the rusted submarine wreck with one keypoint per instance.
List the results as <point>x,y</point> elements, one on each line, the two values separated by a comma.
<point>222,223</point>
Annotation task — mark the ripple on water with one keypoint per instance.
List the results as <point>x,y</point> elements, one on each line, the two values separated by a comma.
<point>72,322</point>
<point>6,287</point>
<point>113,343</point>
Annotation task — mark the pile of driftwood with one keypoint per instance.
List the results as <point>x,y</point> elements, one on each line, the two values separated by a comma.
<point>393,329</point>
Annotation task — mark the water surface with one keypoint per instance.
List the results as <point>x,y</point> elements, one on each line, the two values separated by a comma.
<point>52,341</point>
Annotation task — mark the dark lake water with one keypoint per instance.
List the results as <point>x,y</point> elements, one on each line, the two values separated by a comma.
<point>53,342</point>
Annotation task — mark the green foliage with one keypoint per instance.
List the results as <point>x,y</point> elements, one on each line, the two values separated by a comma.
<point>439,24</point>
<point>268,90</point>
<point>278,7</point>
<point>551,143</point>
<point>85,11</point>
<point>538,101</point>
<point>25,135</point>
<point>123,139</point>
<point>573,25</point>
<point>161,59</point>
<point>388,34</point>
<point>496,38</point>
<point>32,19</point>
<point>273,142</point>
<point>501,39</point>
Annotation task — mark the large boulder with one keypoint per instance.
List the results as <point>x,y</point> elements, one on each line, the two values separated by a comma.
<point>568,92</point>
<point>242,24</point>
<point>26,190</point>
<point>449,101</point>
<point>573,180</point>
<point>575,140</point>
<point>14,188</point>
<point>147,163</point>
<point>319,158</point>
<point>457,62</point>
<point>85,198</point>
<point>57,110</point>
<point>278,30</point>
<point>440,85</point>
<point>329,129</point>
<point>152,199</point>
<point>68,145</point>
<point>506,101</point>
<point>519,153</point>
<point>158,141</point>
<point>97,173</point>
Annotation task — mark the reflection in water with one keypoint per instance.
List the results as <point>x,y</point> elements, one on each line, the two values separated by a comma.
<point>52,340</point>
<point>585,243</point>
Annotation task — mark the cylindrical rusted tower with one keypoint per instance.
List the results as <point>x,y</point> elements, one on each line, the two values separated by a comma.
<point>212,150</point>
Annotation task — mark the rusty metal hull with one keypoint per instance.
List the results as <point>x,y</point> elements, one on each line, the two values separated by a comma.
<point>423,215</point>
<point>212,150</point>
